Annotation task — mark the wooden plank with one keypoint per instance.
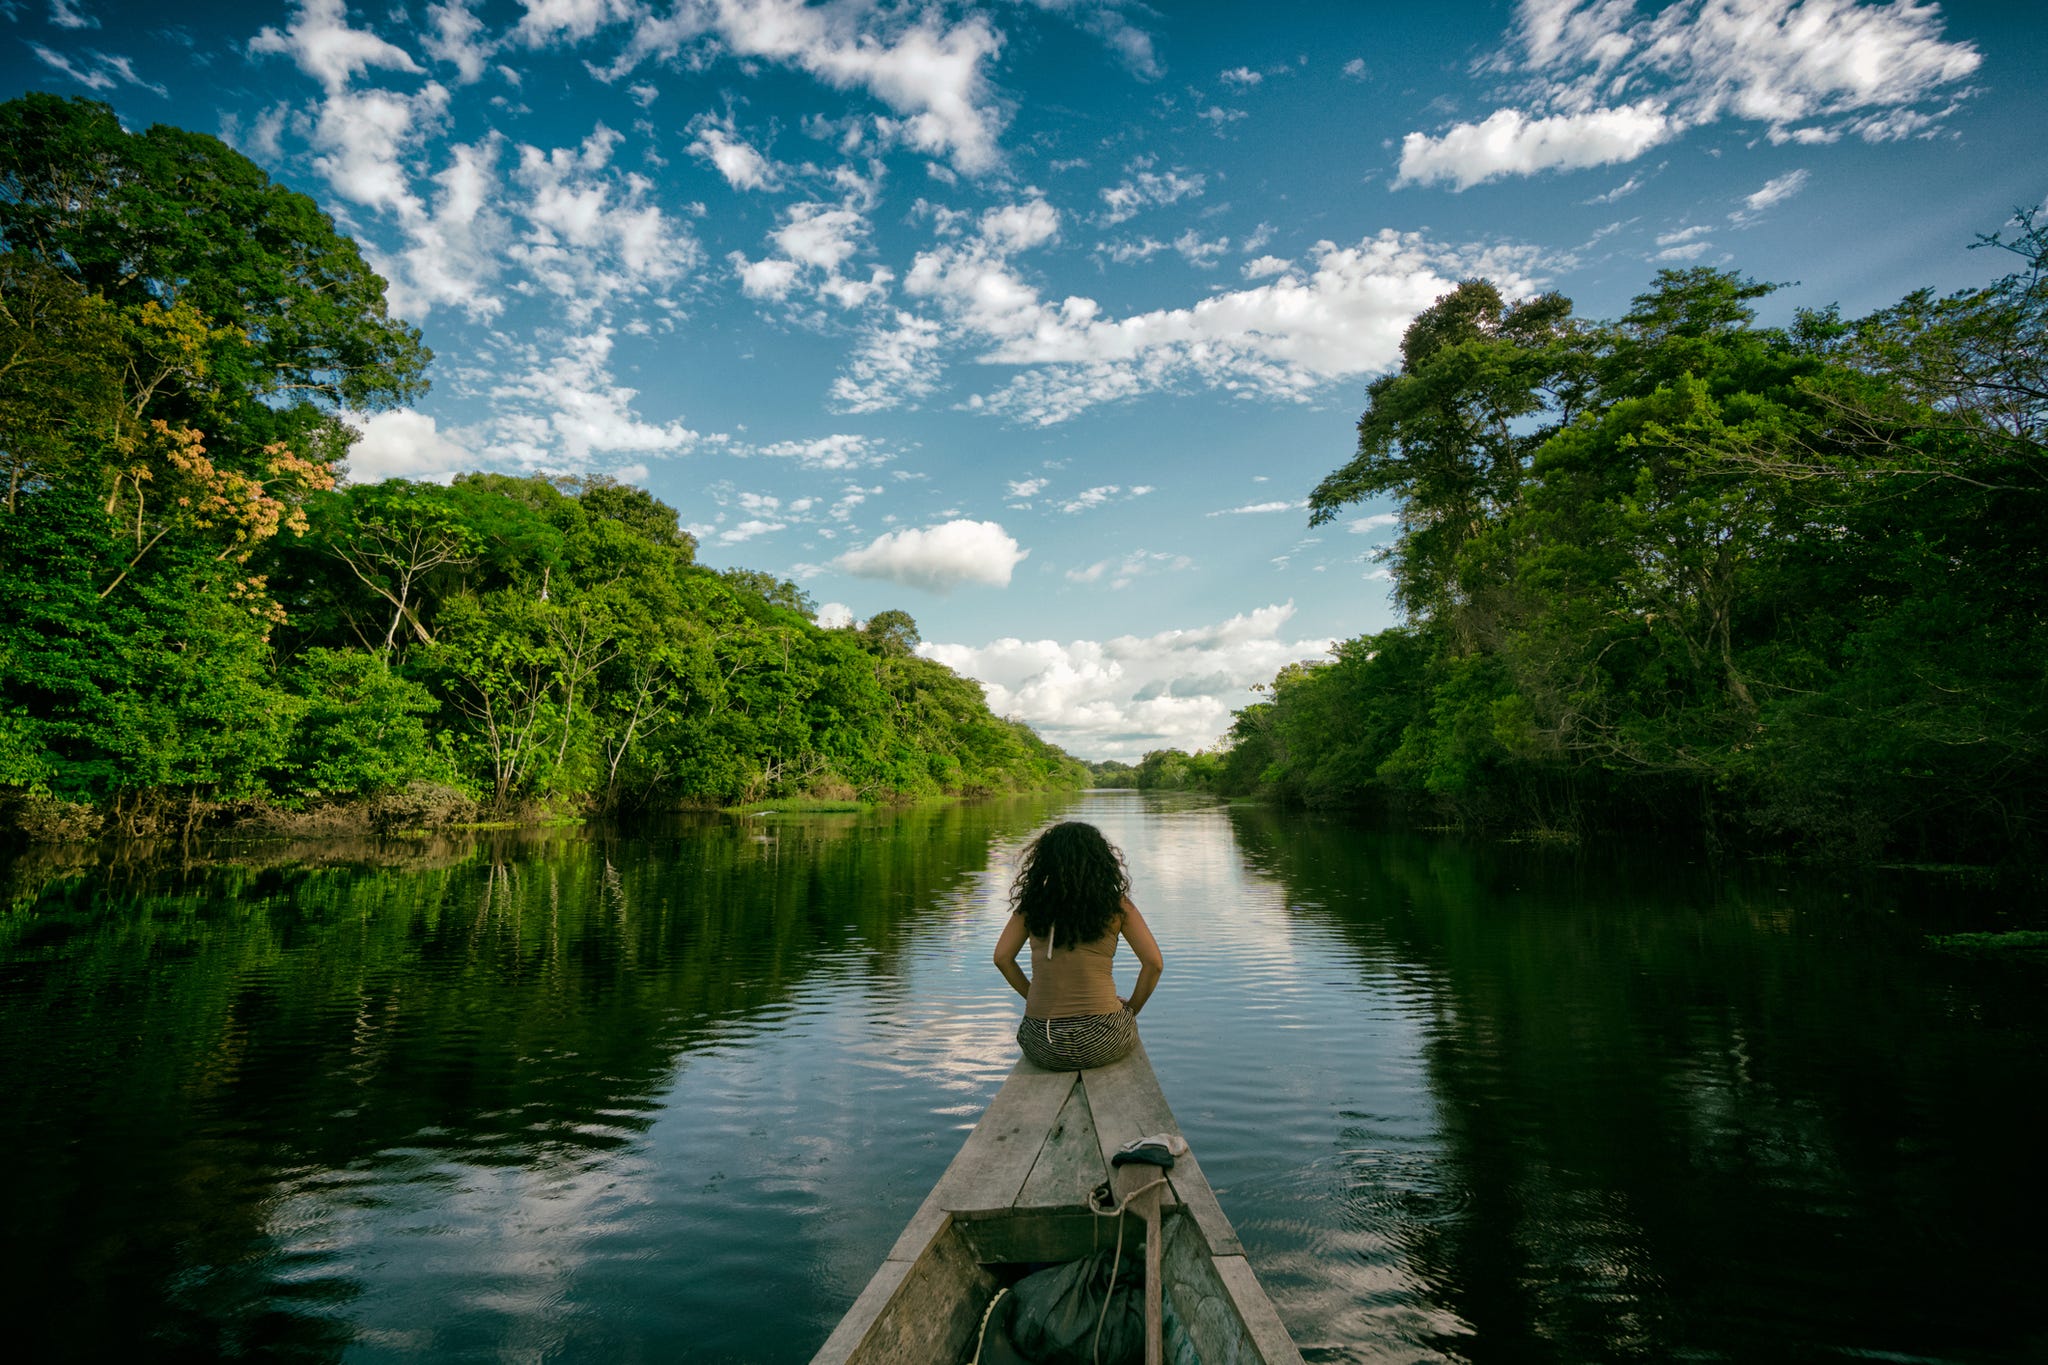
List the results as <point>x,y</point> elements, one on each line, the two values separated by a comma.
<point>1127,1103</point>
<point>1041,1235</point>
<point>914,1311</point>
<point>990,1169</point>
<point>853,1329</point>
<point>1155,1316</point>
<point>1201,1303</point>
<point>1070,1164</point>
<point>1255,1309</point>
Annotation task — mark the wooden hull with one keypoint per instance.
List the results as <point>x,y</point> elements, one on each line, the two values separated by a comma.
<point>1017,1192</point>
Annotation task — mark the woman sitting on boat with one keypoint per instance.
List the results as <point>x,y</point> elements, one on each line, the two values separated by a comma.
<point>1071,901</point>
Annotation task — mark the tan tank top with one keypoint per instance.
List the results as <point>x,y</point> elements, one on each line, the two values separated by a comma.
<point>1072,979</point>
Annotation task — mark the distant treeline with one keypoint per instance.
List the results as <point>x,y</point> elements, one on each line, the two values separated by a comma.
<point>1686,572</point>
<point>194,616</point>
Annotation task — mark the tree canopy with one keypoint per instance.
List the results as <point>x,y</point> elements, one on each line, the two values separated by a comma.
<point>1685,569</point>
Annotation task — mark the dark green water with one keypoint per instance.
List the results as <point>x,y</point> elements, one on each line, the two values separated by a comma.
<point>588,1098</point>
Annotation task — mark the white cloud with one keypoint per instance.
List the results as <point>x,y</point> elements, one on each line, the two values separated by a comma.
<point>929,73</point>
<point>1284,338</point>
<point>454,249</point>
<point>567,409</point>
<point>1688,251</point>
<point>814,243</point>
<point>1260,267</point>
<point>895,365</point>
<point>66,14</point>
<point>105,71</point>
<point>1120,571</point>
<point>1356,70</point>
<point>1242,77</point>
<point>718,142</point>
<point>594,232</point>
<point>403,444</point>
<point>1378,521</point>
<point>1684,234</point>
<point>749,529</point>
<point>327,49</point>
<point>1142,188</point>
<point>453,39</point>
<point>1509,142</point>
<point>1840,64</point>
<point>1091,498</point>
<point>1199,251</point>
<point>1777,190</point>
<point>549,21</point>
<point>1123,253</point>
<point>939,558</point>
<point>1621,191</point>
<point>1026,488</point>
<point>1257,507</point>
<point>1118,698</point>
<point>838,451</point>
<point>834,615</point>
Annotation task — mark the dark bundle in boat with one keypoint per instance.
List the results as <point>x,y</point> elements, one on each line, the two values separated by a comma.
<point>1018,1195</point>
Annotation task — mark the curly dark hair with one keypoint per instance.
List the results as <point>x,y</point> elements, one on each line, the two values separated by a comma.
<point>1072,884</point>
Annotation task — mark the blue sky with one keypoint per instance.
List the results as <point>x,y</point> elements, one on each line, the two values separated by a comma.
<point>1039,319</point>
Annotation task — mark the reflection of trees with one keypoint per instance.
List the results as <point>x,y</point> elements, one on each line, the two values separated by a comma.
<point>178,1037</point>
<point>1683,1115</point>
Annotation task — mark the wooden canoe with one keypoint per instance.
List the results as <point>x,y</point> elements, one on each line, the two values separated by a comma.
<point>1018,1192</point>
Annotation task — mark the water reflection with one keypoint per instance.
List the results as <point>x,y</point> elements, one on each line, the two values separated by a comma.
<point>587,1097</point>
<point>1681,1114</point>
<point>408,1104</point>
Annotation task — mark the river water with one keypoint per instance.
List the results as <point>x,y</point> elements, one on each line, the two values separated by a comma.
<point>585,1097</point>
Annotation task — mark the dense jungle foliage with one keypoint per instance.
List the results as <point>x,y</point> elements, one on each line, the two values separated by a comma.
<point>196,614</point>
<point>1684,570</point>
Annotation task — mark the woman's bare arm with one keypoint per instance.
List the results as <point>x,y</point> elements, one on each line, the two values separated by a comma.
<point>1012,942</point>
<point>1150,963</point>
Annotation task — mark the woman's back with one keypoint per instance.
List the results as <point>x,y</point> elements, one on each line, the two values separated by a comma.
<point>1072,978</point>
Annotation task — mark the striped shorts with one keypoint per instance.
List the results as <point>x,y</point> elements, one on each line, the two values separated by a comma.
<point>1078,1041</point>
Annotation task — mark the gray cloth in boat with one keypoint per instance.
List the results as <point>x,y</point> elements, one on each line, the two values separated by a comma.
<point>1078,1041</point>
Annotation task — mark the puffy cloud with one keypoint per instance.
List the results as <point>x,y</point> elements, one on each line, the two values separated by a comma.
<point>1283,338</point>
<point>1143,187</point>
<point>1118,698</point>
<point>327,49</point>
<point>939,558</point>
<point>454,249</point>
<point>718,142</point>
<point>1846,65</point>
<point>362,136</point>
<point>403,444</point>
<point>594,232</point>
<point>453,39</point>
<point>834,615</point>
<point>930,73</point>
<point>838,451</point>
<point>1240,76</point>
<point>567,409</point>
<point>1026,488</point>
<point>1509,142</point>
<point>896,365</point>
<point>813,245</point>
<point>1199,251</point>
<point>549,21</point>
